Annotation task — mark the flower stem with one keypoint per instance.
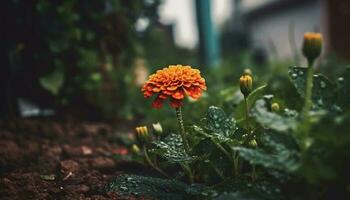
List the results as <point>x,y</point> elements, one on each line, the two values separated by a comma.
<point>188,172</point>
<point>253,172</point>
<point>250,135</point>
<point>226,153</point>
<point>150,163</point>
<point>309,85</point>
<point>236,163</point>
<point>246,115</point>
<point>182,129</point>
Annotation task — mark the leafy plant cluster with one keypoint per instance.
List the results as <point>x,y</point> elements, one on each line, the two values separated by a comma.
<point>273,152</point>
<point>75,54</point>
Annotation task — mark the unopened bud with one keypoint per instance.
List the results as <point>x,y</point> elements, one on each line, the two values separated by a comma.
<point>247,71</point>
<point>246,84</point>
<point>142,134</point>
<point>312,45</point>
<point>157,127</point>
<point>275,107</point>
<point>135,149</point>
<point>252,143</point>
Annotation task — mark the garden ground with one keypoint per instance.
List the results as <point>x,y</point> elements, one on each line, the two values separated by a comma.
<point>46,159</point>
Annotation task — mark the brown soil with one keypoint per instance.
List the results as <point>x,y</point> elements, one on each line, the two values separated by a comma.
<point>44,159</point>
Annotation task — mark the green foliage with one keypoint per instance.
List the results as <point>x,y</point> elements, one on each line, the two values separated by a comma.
<point>273,120</point>
<point>172,149</point>
<point>275,153</point>
<point>245,190</point>
<point>323,91</point>
<point>92,43</point>
<point>148,187</point>
<point>218,122</point>
<point>53,82</point>
<point>343,90</point>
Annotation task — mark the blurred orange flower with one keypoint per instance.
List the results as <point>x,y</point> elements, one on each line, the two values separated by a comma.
<point>174,82</point>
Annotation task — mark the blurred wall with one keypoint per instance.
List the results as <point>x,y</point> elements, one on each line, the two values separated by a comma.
<point>278,26</point>
<point>339,26</point>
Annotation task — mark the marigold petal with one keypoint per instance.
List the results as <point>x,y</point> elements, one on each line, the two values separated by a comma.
<point>157,103</point>
<point>193,92</point>
<point>147,94</point>
<point>162,96</point>
<point>178,94</point>
<point>175,103</point>
<point>172,87</point>
<point>156,89</point>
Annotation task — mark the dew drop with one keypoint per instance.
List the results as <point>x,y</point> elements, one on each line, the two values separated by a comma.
<point>340,79</point>
<point>123,188</point>
<point>204,194</point>
<point>294,75</point>
<point>322,84</point>
<point>301,73</point>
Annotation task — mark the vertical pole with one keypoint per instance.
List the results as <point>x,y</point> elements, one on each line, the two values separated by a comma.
<point>208,41</point>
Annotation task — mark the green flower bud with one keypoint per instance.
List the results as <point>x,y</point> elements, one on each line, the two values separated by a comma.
<point>252,143</point>
<point>142,134</point>
<point>246,84</point>
<point>158,130</point>
<point>275,107</point>
<point>135,149</point>
<point>247,71</point>
<point>312,45</point>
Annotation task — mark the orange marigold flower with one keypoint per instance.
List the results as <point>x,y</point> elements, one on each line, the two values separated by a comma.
<point>174,82</point>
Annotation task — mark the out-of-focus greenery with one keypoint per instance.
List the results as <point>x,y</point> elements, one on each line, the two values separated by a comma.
<point>89,56</point>
<point>79,51</point>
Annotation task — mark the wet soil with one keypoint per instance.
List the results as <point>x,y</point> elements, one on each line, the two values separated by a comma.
<point>46,159</point>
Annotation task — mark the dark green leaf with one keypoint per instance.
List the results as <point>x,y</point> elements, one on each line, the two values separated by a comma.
<point>53,81</point>
<point>172,149</point>
<point>276,156</point>
<point>344,90</point>
<point>323,91</point>
<point>246,190</point>
<point>133,185</point>
<point>273,120</point>
<point>218,137</point>
<point>218,122</point>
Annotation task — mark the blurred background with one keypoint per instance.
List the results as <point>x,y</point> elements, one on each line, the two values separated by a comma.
<point>88,59</point>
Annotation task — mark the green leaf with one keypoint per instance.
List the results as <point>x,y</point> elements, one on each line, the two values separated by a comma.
<point>323,91</point>
<point>172,149</point>
<point>261,189</point>
<point>150,187</point>
<point>218,137</point>
<point>343,90</point>
<point>218,122</point>
<point>53,82</point>
<point>251,99</point>
<point>276,155</point>
<point>157,188</point>
<point>50,177</point>
<point>273,120</point>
